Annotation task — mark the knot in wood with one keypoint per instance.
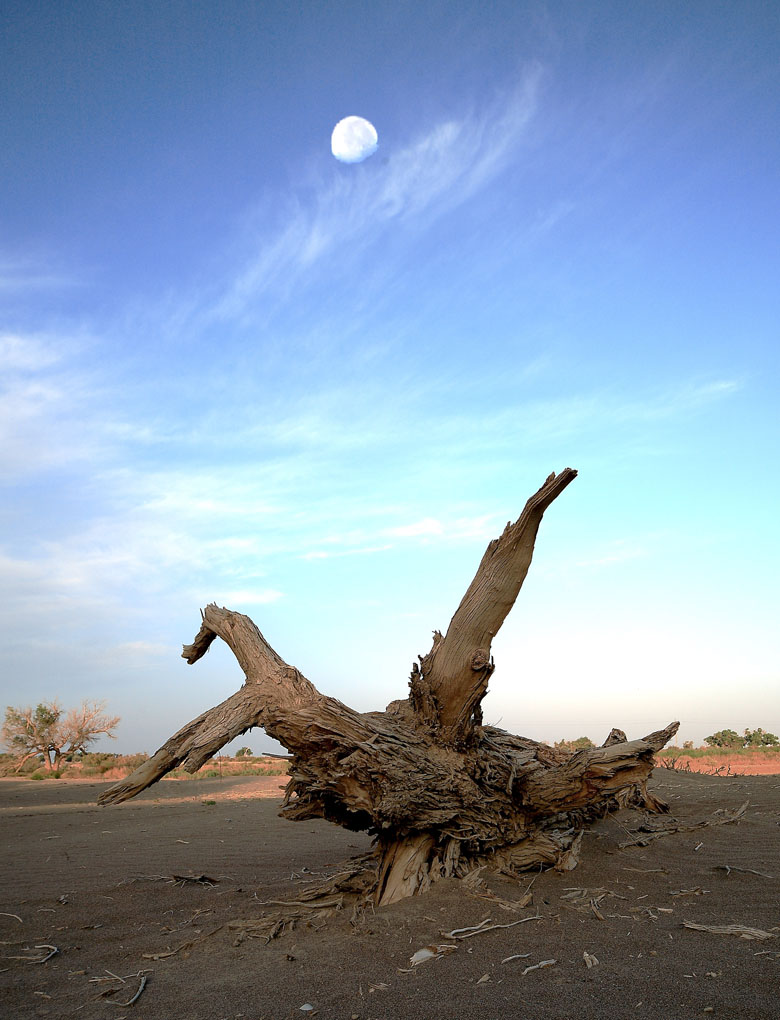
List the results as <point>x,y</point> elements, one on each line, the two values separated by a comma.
<point>480,659</point>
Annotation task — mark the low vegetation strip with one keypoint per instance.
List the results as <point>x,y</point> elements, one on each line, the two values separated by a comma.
<point>113,767</point>
<point>721,761</point>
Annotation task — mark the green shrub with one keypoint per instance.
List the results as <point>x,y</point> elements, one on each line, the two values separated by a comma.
<point>37,775</point>
<point>725,738</point>
<point>757,738</point>
<point>760,738</point>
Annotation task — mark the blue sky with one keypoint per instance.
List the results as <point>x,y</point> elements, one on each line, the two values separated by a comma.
<point>237,370</point>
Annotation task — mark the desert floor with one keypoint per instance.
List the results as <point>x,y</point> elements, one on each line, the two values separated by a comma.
<point>98,884</point>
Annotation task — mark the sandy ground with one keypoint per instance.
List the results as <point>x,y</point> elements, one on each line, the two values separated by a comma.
<point>98,883</point>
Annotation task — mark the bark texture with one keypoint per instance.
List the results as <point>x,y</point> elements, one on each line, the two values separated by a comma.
<point>442,793</point>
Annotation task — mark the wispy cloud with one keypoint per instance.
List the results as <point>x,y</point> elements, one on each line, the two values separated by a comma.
<point>330,554</point>
<point>142,650</point>
<point>250,597</point>
<point>677,399</point>
<point>615,553</point>
<point>58,405</point>
<point>24,277</point>
<point>347,210</point>
<point>26,353</point>
<point>426,526</point>
<point>458,528</point>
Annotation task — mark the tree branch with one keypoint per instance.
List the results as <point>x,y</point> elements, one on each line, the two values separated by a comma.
<point>275,696</point>
<point>452,679</point>
<point>192,746</point>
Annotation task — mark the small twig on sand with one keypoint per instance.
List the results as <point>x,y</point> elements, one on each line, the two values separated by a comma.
<point>335,902</point>
<point>3,913</point>
<point>115,977</point>
<point>480,929</point>
<point>144,878</point>
<point>135,998</point>
<point>32,959</point>
<point>538,966</point>
<point>740,930</point>
<point>185,945</point>
<point>728,868</point>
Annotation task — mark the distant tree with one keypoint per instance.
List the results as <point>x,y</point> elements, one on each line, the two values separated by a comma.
<point>750,738</point>
<point>244,752</point>
<point>580,744</point>
<point>758,738</point>
<point>725,738</point>
<point>51,734</point>
<point>687,745</point>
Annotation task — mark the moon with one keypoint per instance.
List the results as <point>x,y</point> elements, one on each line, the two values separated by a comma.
<point>353,140</point>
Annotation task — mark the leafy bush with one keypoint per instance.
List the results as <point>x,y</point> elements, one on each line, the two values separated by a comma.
<point>749,739</point>
<point>725,738</point>
<point>758,738</point>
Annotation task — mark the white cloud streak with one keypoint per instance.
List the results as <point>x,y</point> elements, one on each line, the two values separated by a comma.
<point>263,597</point>
<point>25,353</point>
<point>426,526</point>
<point>417,183</point>
<point>25,278</point>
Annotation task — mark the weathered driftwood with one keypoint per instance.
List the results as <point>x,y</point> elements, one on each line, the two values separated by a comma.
<point>441,792</point>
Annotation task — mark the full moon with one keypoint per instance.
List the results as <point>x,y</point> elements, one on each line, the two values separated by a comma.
<point>353,140</point>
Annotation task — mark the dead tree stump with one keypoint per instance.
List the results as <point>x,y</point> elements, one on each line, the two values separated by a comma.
<point>441,793</point>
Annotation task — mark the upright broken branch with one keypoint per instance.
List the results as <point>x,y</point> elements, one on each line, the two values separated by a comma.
<point>449,685</point>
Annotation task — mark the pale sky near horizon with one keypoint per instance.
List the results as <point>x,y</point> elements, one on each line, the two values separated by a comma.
<point>237,370</point>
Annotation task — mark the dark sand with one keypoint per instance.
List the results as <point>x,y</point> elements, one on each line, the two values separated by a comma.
<point>97,883</point>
